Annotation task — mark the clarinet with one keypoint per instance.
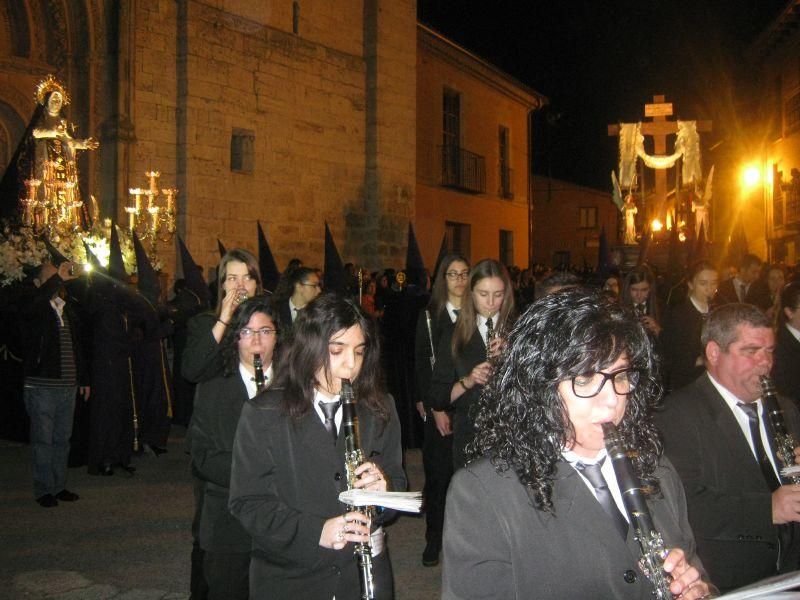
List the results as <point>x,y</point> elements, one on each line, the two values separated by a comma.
<point>352,459</point>
<point>258,367</point>
<point>784,441</point>
<point>489,338</point>
<point>650,541</point>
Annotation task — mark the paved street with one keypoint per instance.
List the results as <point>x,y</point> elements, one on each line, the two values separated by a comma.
<point>129,539</point>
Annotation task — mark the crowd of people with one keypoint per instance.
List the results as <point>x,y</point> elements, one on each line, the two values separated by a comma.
<point>509,376</point>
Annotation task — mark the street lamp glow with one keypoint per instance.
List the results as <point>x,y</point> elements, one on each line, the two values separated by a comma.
<point>656,225</point>
<point>751,176</point>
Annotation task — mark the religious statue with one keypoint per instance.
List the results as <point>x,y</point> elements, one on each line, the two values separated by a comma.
<point>630,219</point>
<point>43,173</point>
<point>701,203</point>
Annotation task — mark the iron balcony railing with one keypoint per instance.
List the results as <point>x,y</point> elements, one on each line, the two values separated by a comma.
<point>463,170</point>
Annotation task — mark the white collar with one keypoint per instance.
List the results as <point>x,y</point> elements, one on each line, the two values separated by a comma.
<point>698,307</point>
<point>249,379</point>
<point>793,331</point>
<point>451,308</point>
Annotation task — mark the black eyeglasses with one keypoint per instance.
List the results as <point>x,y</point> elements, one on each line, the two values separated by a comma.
<point>624,382</point>
<point>246,332</point>
<point>457,275</point>
<point>314,285</point>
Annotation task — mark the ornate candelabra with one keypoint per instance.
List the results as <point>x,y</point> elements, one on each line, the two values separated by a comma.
<point>151,213</point>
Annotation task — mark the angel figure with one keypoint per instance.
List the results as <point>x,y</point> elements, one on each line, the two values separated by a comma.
<point>627,207</point>
<point>701,203</point>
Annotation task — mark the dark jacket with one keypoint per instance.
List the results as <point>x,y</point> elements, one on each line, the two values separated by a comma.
<point>285,483</point>
<point>446,372</point>
<point>425,345</point>
<point>217,406</point>
<point>680,345</point>
<point>730,504</point>
<point>498,545</point>
<point>41,337</point>
<point>202,357</point>
<point>786,365</point>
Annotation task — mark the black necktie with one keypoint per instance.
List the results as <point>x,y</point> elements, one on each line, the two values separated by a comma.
<point>751,410</point>
<point>641,309</point>
<point>604,497</point>
<point>329,410</point>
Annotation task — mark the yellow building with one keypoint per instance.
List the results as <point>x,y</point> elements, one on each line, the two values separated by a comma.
<point>771,194</point>
<point>473,148</point>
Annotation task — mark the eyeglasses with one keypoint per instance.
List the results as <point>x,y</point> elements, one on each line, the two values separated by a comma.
<point>315,285</point>
<point>624,381</point>
<point>457,276</point>
<point>246,332</point>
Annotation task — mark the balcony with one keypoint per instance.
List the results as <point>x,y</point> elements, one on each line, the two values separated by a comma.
<point>507,184</point>
<point>463,170</point>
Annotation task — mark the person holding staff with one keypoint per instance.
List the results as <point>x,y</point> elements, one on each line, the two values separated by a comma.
<point>288,460</point>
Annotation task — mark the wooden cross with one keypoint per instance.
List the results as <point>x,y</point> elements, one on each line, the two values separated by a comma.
<point>659,128</point>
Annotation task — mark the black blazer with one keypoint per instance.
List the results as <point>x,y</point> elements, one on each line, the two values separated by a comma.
<point>446,372</point>
<point>441,326</point>
<point>757,294</point>
<point>217,405</point>
<point>286,479</point>
<point>680,345</point>
<point>498,545</point>
<point>202,357</point>
<point>39,327</point>
<point>730,505</point>
<point>786,365</point>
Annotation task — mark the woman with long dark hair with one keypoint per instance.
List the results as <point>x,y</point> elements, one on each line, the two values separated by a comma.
<point>463,359</point>
<point>217,406</point>
<point>296,288</point>
<point>288,460</point>
<point>435,322</point>
<point>240,279</point>
<point>680,338</point>
<point>526,518</point>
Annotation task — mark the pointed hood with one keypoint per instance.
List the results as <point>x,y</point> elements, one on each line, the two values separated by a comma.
<point>56,258</point>
<point>699,247</point>
<point>644,245</point>
<point>415,266</point>
<point>266,262</point>
<point>193,274</point>
<point>440,257</point>
<point>147,281</point>
<point>335,280</point>
<point>674,266</point>
<point>221,249</point>
<point>116,266</point>
<point>603,256</point>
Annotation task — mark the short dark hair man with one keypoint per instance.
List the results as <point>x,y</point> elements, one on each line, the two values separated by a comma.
<point>746,285</point>
<point>744,520</point>
<point>54,369</point>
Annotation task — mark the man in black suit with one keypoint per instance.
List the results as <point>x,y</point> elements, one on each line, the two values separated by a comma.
<point>744,520</point>
<point>746,285</point>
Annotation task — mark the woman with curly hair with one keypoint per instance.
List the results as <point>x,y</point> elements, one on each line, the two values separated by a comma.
<point>523,519</point>
<point>288,460</point>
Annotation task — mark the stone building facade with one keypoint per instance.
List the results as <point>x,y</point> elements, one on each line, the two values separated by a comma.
<point>568,219</point>
<point>473,147</point>
<point>292,113</point>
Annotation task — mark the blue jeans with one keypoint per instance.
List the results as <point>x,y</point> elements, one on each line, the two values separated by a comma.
<point>51,412</point>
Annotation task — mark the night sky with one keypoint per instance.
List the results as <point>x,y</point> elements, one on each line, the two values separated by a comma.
<point>600,61</point>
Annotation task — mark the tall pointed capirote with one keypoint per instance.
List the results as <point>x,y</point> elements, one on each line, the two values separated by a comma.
<point>440,257</point>
<point>193,274</point>
<point>334,277</point>
<point>56,257</point>
<point>415,266</point>
<point>221,249</point>
<point>147,281</point>
<point>266,262</point>
<point>116,266</point>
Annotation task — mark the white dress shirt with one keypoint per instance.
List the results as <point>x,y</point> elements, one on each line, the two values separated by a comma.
<point>744,422</point>
<point>794,332</point>
<point>451,311</point>
<point>482,329</point>
<point>250,381</point>
<point>608,474</point>
<point>320,397</point>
